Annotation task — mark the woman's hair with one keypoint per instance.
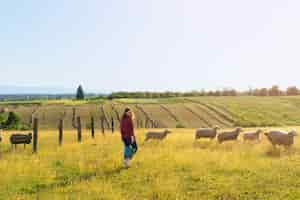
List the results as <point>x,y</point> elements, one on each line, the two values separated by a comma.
<point>126,111</point>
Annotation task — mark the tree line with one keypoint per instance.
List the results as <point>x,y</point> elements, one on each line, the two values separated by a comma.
<point>273,91</point>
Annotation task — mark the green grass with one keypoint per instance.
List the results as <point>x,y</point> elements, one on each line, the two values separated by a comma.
<point>258,111</point>
<point>176,168</point>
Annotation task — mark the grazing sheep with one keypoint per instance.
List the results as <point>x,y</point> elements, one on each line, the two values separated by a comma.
<point>284,138</point>
<point>251,136</point>
<point>20,138</point>
<point>229,135</point>
<point>157,135</point>
<point>206,133</point>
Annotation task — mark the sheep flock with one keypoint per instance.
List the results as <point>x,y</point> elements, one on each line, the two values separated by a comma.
<point>275,137</point>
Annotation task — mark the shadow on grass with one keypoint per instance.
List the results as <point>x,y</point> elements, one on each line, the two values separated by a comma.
<point>280,152</point>
<point>115,171</point>
<point>9,151</point>
<point>273,153</point>
<point>204,144</point>
<point>213,145</point>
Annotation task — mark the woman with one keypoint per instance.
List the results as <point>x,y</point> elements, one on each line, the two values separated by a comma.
<point>128,138</point>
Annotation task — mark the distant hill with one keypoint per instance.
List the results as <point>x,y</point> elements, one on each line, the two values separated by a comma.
<point>12,89</point>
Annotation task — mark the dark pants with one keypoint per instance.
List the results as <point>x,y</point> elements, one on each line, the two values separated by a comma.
<point>130,148</point>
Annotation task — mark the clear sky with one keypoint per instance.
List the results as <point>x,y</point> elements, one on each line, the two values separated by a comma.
<point>150,45</point>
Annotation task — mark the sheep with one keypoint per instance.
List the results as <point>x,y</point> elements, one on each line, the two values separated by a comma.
<point>251,136</point>
<point>157,135</point>
<point>20,138</point>
<point>206,133</point>
<point>229,135</point>
<point>277,137</point>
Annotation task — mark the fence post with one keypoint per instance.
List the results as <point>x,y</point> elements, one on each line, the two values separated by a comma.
<point>93,127</point>
<point>102,125</point>
<point>112,125</point>
<point>35,134</point>
<point>60,129</point>
<point>74,117</point>
<point>0,139</point>
<point>79,136</point>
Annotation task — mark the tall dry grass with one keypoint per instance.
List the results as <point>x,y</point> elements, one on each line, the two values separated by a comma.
<point>177,168</point>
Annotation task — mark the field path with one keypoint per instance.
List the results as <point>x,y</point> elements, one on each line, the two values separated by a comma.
<point>170,113</point>
<point>206,122</point>
<point>224,116</point>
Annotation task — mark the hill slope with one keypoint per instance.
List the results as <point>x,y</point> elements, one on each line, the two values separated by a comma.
<point>172,112</point>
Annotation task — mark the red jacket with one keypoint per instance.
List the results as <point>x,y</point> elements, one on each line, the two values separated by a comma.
<point>127,128</point>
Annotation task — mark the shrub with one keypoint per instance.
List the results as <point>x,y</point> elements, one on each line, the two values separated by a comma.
<point>180,125</point>
<point>13,121</point>
<point>3,119</point>
<point>25,127</point>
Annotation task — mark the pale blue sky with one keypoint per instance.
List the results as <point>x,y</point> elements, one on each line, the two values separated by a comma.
<point>150,45</point>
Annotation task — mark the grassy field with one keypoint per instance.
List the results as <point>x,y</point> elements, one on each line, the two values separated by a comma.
<point>193,112</point>
<point>176,168</point>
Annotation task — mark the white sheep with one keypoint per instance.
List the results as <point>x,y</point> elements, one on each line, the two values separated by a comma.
<point>229,135</point>
<point>206,133</point>
<point>157,135</point>
<point>251,136</point>
<point>278,137</point>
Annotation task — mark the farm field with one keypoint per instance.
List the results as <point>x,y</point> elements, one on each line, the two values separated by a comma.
<point>191,112</point>
<point>176,168</point>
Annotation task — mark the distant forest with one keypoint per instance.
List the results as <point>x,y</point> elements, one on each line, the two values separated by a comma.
<point>273,91</point>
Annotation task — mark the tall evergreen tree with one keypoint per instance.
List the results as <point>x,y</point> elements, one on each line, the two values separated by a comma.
<point>80,93</point>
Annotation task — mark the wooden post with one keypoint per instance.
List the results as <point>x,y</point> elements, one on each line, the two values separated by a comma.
<point>112,125</point>
<point>92,127</point>
<point>102,125</point>
<point>35,134</point>
<point>79,136</point>
<point>74,118</point>
<point>0,139</point>
<point>137,123</point>
<point>60,130</point>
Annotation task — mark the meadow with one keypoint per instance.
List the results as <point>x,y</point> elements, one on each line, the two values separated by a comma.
<point>176,168</point>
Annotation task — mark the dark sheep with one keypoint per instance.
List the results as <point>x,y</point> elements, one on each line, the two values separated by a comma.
<point>229,135</point>
<point>206,133</point>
